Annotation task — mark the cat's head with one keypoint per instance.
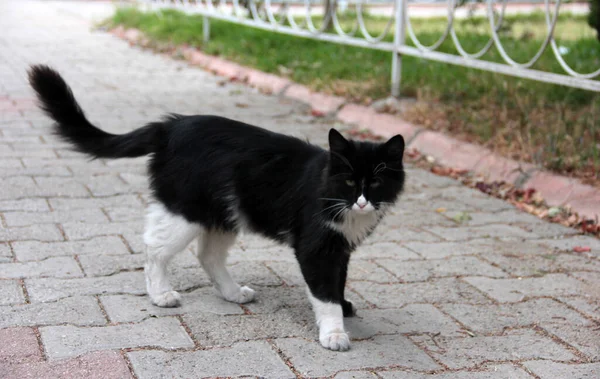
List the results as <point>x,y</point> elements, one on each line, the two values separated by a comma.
<point>364,177</point>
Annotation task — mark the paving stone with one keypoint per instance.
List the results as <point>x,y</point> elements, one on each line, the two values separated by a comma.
<point>31,205</point>
<point>584,339</point>
<point>592,279</point>
<point>509,216</point>
<point>355,375</point>
<point>536,265</point>
<point>131,201</point>
<point>80,231</point>
<point>495,318</point>
<point>73,310</point>
<point>59,267</point>
<point>71,341</point>
<point>79,215</point>
<point>400,234</point>
<point>513,290</point>
<point>60,187</point>
<point>5,253</point>
<point>484,231</point>
<point>33,250</point>
<point>254,358</point>
<point>129,308</point>
<point>416,271</point>
<point>568,243</point>
<point>550,370</point>
<point>11,291</point>
<point>43,232</point>
<point>50,289</point>
<point>411,319</point>
<point>108,185</point>
<point>19,345</point>
<point>492,371</point>
<point>435,291</point>
<point>218,330</point>
<point>103,265</point>
<point>514,345</point>
<point>384,250</point>
<point>310,359</point>
<point>476,247</point>
<point>586,305</point>
<point>548,229</point>
<point>124,214</point>
<point>96,365</point>
<point>401,217</point>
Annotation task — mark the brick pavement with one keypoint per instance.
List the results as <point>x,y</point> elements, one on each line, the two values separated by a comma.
<point>501,296</point>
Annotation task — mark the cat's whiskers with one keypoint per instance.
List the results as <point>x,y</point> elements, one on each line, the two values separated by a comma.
<point>329,198</point>
<point>338,213</point>
<point>332,207</point>
<point>379,169</point>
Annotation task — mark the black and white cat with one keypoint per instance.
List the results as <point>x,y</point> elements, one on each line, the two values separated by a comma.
<point>213,177</point>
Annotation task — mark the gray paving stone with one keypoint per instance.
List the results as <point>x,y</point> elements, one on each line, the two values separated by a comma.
<point>383,250</point>
<point>30,218</point>
<point>355,375</point>
<point>80,231</point>
<point>124,214</point>
<point>218,330</point>
<point>536,265</point>
<point>591,279</point>
<point>60,187</point>
<point>494,318</point>
<point>514,345</point>
<point>548,229</point>
<point>58,267</point>
<point>587,305</point>
<point>130,308</point>
<point>550,370</point>
<point>400,234</point>
<point>435,291</point>
<point>509,216</point>
<point>310,359</point>
<point>268,253</point>
<point>82,311</point>
<point>31,205</point>
<point>43,232</point>
<point>35,171</point>
<point>411,319</point>
<point>33,250</point>
<point>416,271</point>
<point>513,290</point>
<point>584,339</point>
<point>50,289</point>
<point>484,231</point>
<point>11,291</point>
<point>6,254</point>
<point>131,201</point>
<point>108,185</point>
<point>568,243</point>
<point>254,358</point>
<point>103,265</point>
<point>71,341</point>
<point>476,247</point>
<point>492,371</point>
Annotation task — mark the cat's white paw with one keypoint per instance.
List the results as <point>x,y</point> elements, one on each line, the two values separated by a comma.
<point>243,295</point>
<point>168,299</point>
<point>335,340</point>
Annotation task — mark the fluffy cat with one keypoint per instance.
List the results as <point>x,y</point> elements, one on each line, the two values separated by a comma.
<point>213,177</point>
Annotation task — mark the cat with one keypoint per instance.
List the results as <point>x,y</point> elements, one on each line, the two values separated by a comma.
<point>212,177</point>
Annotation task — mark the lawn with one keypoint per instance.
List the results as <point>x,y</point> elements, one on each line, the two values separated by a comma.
<point>552,125</point>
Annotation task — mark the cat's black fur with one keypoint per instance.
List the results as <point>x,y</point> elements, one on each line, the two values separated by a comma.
<point>205,167</point>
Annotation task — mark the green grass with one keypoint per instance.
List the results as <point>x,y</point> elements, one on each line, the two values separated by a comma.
<point>549,124</point>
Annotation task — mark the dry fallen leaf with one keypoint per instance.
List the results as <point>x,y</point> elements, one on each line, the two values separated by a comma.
<point>582,249</point>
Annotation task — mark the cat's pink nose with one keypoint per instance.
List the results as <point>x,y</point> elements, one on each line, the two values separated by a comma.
<point>361,206</point>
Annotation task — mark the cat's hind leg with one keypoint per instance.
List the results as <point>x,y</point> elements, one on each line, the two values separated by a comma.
<point>166,235</point>
<point>212,253</point>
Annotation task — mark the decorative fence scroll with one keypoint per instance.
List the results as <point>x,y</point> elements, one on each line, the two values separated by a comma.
<point>283,17</point>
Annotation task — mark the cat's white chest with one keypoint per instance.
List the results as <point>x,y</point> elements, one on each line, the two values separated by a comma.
<point>356,227</point>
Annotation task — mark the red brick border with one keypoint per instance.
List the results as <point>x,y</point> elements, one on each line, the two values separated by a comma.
<point>556,190</point>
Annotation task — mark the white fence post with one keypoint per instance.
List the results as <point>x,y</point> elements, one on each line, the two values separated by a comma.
<point>205,29</point>
<point>399,38</point>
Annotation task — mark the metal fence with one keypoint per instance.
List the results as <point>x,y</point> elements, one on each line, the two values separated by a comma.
<point>282,17</point>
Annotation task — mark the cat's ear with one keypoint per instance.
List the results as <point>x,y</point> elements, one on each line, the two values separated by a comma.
<point>394,148</point>
<point>337,142</point>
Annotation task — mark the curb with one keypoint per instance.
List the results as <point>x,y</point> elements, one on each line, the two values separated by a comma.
<point>557,190</point>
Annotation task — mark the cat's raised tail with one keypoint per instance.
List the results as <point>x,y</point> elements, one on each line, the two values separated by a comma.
<point>57,101</point>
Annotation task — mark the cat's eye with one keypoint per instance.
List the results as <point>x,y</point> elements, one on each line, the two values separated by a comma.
<point>375,184</point>
<point>351,183</point>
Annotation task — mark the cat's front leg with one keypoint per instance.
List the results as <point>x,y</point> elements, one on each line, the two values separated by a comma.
<point>330,319</point>
<point>323,279</point>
